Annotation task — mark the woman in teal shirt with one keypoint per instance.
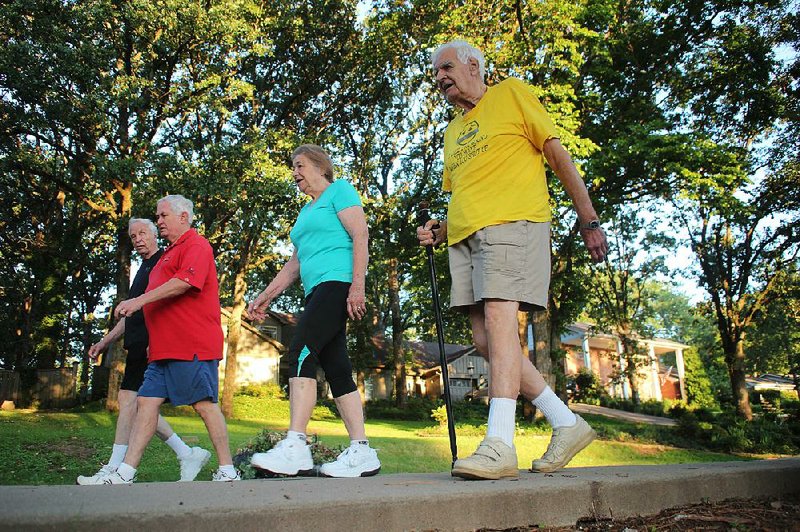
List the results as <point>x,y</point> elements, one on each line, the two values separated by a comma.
<point>330,256</point>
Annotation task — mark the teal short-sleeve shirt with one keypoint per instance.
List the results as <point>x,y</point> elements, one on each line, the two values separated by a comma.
<point>324,247</point>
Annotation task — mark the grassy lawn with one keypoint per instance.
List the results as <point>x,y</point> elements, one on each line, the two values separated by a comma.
<point>54,448</point>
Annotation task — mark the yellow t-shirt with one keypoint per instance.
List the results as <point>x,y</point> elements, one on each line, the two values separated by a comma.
<point>493,161</point>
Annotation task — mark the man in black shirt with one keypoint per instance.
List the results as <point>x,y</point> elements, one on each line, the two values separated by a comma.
<point>143,235</point>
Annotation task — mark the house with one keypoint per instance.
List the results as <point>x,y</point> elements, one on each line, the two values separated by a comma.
<point>465,367</point>
<point>586,347</point>
<point>260,349</point>
<point>662,378</point>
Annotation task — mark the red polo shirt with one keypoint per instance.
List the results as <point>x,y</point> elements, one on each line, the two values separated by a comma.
<point>189,324</point>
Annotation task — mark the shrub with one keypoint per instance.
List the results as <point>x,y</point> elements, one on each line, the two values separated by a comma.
<point>586,387</point>
<point>269,390</point>
<point>266,440</point>
<point>417,409</point>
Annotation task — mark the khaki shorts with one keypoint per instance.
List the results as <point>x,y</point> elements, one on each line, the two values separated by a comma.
<point>508,261</point>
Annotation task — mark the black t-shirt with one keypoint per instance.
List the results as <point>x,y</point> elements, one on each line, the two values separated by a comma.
<point>135,330</point>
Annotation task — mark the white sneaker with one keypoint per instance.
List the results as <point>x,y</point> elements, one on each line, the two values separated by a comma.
<point>221,476</point>
<point>355,461</point>
<point>565,443</point>
<point>115,478</point>
<point>98,477</point>
<point>192,463</point>
<point>288,457</point>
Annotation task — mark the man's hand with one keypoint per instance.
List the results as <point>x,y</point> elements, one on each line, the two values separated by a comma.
<point>596,243</point>
<point>128,308</point>
<point>428,236</point>
<point>97,349</point>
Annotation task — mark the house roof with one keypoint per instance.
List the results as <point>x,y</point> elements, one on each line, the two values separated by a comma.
<point>226,313</point>
<point>770,381</point>
<point>426,354</point>
<point>599,339</point>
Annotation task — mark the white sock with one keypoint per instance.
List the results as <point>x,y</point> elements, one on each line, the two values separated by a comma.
<point>554,409</point>
<point>117,455</point>
<point>178,445</point>
<point>298,435</point>
<point>502,422</point>
<point>228,470</point>
<point>354,443</point>
<point>126,471</point>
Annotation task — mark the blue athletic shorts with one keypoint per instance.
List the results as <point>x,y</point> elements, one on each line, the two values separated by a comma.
<point>182,382</point>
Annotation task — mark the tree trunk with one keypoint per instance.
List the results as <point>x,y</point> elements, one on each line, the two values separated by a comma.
<point>116,355</point>
<point>736,372</point>
<point>397,336</point>
<point>558,368</point>
<point>234,334</point>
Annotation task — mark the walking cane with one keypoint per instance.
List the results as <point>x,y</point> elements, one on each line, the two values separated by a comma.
<point>423,215</point>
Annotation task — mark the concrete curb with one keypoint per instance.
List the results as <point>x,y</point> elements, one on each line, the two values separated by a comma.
<point>393,502</point>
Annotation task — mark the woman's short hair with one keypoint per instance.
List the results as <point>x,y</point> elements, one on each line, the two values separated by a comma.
<point>318,156</point>
<point>464,51</point>
<point>180,204</point>
<point>146,221</point>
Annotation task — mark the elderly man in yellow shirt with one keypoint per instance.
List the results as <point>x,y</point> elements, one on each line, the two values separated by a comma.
<point>498,236</point>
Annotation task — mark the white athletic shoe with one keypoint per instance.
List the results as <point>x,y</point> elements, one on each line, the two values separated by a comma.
<point>192,463</point>
<point>97,478</point>
<point>288,457</point>
<point>115,478</point>
<point>222,476</point>
<point>355,461</point>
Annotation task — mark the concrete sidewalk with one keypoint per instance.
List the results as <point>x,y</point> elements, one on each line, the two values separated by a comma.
<point>393,502</point>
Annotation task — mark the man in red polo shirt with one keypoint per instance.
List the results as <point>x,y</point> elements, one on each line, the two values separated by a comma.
<point>181,307</point>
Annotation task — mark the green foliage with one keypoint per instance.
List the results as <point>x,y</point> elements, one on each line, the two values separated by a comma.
<point>586,387</point>
<point>266,440</point>
<point>416,409</point>
<point>698,385</point>
<point>269,390</point>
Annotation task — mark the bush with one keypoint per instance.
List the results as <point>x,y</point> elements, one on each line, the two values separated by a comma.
<point>268,390</point>
<point>266,440</point>
<point>417,409</point>
<point>586,387</point>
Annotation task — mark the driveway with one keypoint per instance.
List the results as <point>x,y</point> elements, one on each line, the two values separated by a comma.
<point>622,414</point>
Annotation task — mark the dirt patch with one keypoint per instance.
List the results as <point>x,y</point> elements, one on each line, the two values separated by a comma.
<point>753,515</point>
<point>72,448</point>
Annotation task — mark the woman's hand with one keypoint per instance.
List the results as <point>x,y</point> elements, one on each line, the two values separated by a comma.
<point>356,302</point>
<point>257,309</point>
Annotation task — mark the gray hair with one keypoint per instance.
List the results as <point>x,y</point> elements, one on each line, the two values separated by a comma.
<point>464,51</point>
<point>180,204</point>
<point>146,221</point>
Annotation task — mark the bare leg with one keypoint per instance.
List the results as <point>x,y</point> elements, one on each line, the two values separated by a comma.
<point>163,429</point>
<point>126,418</point>
<point>143,429</point>
<point>352,413</point>
<point>217,429</point>
<point>302,398</point>
<point>531,381</point>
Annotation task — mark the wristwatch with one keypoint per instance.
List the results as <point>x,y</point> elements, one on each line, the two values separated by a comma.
<point>594,224</point>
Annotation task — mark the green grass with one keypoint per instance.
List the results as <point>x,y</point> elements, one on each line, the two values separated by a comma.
<point>54,448</point>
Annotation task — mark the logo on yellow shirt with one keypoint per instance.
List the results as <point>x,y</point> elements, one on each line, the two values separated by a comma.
<point>468,133</point>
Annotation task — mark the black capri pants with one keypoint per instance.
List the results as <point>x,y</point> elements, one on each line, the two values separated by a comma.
<point>320,338</point>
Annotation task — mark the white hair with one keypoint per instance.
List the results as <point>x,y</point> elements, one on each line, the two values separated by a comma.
<point>180,204</point>
<point>146,221</point>
<point>464,51</point>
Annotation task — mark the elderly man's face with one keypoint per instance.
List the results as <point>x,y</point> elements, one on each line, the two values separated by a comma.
<point>170,225</point>
<point>143,239</point>
<point>456,81</point>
